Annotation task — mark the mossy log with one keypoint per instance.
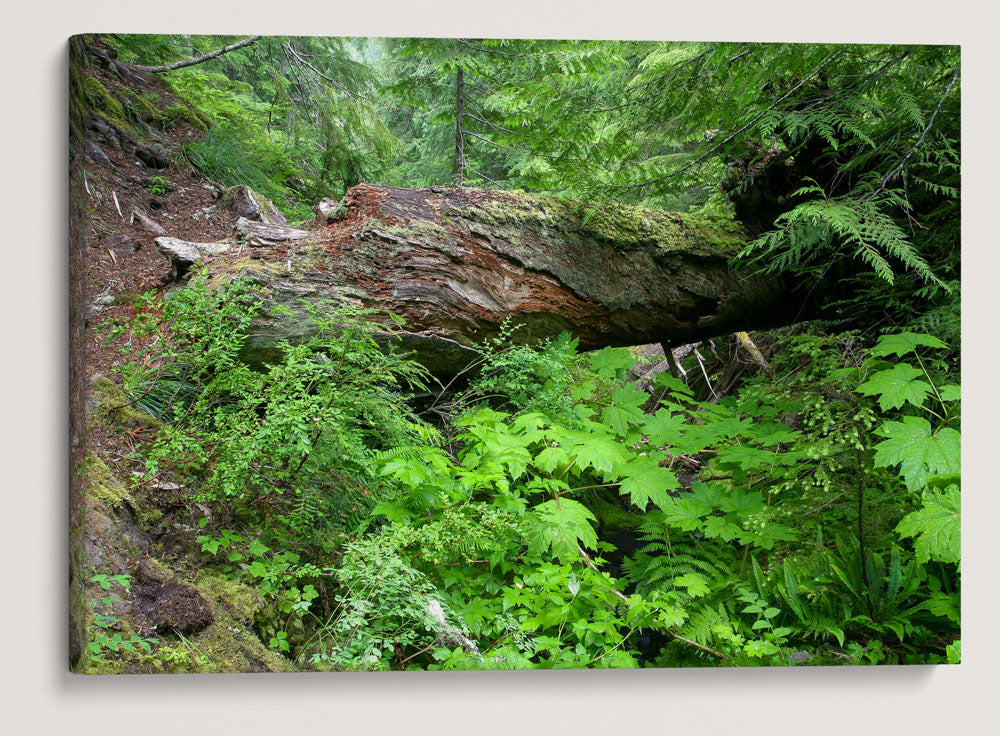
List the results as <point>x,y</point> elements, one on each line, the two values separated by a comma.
<point>456,262</point>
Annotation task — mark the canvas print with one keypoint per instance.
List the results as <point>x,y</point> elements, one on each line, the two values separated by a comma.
<point>453,353</point>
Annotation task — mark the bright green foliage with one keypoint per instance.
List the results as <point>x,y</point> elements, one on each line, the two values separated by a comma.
<point>897,386</point>
<point>904,343</point>
<point>550,511</point>
<point>936,527</point>
<point>102,642</point>
<point>293,118</point>
<point>918,450</point>
<point>557,527</point>
<point>360,525</point>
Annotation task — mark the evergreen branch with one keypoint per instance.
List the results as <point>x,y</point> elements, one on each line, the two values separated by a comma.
<point>730,137</point>
<point>349,92</point>
<point>930,124</point>
<point>199,59</point>
<point>485,50</point>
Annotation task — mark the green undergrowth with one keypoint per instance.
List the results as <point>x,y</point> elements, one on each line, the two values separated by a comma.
<point>555,515</point>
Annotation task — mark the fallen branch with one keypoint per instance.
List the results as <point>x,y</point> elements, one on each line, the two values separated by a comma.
<point>448,633</point>
<point>148,223</point>
<point>750,347</point>
<point>199,59</point>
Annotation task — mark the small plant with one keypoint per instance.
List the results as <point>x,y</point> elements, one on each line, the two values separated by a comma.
<point>158,185</point>
<point>101,640</point>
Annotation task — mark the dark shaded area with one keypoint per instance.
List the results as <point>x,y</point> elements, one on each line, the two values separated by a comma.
<point>168,604</point>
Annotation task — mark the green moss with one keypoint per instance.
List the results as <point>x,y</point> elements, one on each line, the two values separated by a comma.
<point>243,266</point>
<point>102,486</point>
<point>625,226</point>
<point>100,99</point>
<point>176,113</point>
<point>229,643</point>
<point>114,409</point>
<point>110,108</point>
<point>226,645</point>
<point>138,107</point>
<point>77,89</point>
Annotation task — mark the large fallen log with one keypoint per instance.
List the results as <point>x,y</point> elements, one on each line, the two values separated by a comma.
<point>455,263</point>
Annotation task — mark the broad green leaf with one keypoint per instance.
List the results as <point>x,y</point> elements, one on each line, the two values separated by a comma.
<point>611,362</point>
<point>745,457</point>
<point>946,605</point>
<point>551,458</point>
<point>686,513</point>
<point>717,527</point>
<point>598,451</point>
<point>904,342</point>
<point>667,381</point>
<point>626,409</point>
<point>944,480</point>
<point>710,495</point>
<point>663,428</point>
<point>950,392</point>
<point>936,527</point>
<point>644,481</point>
<point>919,452</point>
<point>742,503</point>
<point>560,525</point>
<point>574,585</point>
<point>257,548</point>
<point>897,386</point>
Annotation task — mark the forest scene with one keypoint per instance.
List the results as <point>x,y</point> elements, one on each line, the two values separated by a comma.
<point>493,354</point>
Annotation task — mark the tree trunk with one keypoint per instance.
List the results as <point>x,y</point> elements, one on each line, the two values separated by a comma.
<point>456,263</point>
<point>458,170</point>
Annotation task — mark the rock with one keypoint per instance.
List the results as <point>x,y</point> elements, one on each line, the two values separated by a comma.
<point>183,254</point>
<point>204,213</point>
<point>96,154</point>
<point>167,486</point>
<point>245,202</point>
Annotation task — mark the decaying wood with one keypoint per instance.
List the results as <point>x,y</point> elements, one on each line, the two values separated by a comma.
<point>456,263</point>
<point>245,202</point>
<point>266,233</point>
<point>148,223</point>
<point>448,634</point>
<point>184,254</point>
<point>758,357</point>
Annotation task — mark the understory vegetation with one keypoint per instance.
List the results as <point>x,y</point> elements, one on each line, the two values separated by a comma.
<point>559,508</point>
<point>811,517</point>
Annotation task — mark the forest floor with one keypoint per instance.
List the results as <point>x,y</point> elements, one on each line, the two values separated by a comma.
<point>142,531</point>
